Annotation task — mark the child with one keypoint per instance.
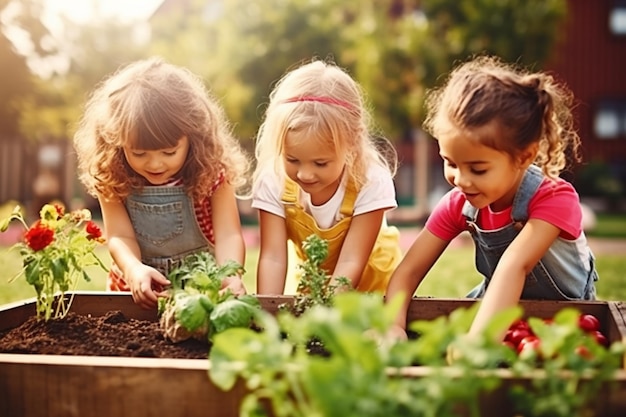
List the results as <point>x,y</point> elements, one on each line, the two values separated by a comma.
<point>504,135</point>
<point>319,171</point>
<point>155,149</point>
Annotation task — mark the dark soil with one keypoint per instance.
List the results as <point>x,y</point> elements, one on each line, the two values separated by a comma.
<point>111,335</point>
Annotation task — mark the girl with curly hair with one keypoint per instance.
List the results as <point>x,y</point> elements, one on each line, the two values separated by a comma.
<point>155,148</point>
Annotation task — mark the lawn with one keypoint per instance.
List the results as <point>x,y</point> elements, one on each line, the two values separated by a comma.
<point>452,276</point>
<point>610,226</point>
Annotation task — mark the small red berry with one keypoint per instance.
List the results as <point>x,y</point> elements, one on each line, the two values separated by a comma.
<point>588,323</point>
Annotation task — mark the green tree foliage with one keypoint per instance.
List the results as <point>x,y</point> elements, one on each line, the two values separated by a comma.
<point>90,52</point>
<point>401,53</point>
<point>396,49</point>
<point>242,47</point>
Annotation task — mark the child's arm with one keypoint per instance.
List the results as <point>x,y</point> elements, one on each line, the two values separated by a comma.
<point>272,267</point>
<point>229,242</point>
<point>125,251</point>
<point>507,283</point>
<point>415,264</point>
<point>358,245</point>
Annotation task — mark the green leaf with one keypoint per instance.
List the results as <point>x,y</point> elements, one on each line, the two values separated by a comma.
<point>191,311</point>
<point>233,313</point>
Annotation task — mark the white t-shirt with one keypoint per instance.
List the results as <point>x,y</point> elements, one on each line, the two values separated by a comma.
<point>377,193</point>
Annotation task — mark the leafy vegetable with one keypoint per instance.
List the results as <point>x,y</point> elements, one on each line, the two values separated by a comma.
<point>196,307</point>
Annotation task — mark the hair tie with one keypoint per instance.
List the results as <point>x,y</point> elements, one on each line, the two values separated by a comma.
<point>321,99</point>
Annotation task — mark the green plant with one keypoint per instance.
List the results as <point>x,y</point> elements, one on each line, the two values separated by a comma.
<point>196,307</point>
<point>314,286</point>
<point>55,252</point>
<point>362,376</point>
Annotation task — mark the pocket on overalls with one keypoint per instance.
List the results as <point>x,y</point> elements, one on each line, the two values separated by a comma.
<point>543,286</point>
<point>156,223</point>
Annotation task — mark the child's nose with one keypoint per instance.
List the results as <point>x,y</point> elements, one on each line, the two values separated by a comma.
<point>461,181</point>
<point>154,163</point>
<point>305,174</point>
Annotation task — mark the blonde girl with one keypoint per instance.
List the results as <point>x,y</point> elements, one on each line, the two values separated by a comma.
<point>155,148</point>
<point>504,134</point>
<point>320,171</point>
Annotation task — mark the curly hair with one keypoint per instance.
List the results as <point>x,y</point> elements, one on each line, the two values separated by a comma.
<point>321,99</point>
<point>531,106</point>
<point>149,105</point>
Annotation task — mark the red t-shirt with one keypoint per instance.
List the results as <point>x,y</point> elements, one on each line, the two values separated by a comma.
<point>555,201</point>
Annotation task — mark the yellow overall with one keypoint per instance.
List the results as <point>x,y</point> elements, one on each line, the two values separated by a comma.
<point>385,256</point>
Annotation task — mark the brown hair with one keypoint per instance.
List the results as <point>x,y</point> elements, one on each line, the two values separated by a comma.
<point>532,107</point>
<point>150,105</point>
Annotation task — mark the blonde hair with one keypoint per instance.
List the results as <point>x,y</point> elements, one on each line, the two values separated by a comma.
<point>322,100</point>
<point>149,105</point>
<point>532,107</point>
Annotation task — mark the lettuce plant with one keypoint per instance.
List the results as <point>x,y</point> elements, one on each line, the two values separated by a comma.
<point>196,307</point>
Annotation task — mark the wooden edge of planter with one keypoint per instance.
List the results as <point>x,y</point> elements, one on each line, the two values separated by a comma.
<point>609,402</point>
<point>105,361</point>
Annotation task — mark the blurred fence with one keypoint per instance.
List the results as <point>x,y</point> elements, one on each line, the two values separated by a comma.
<point>35,173</point>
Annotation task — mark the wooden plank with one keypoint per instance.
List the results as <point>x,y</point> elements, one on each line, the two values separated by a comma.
<point>50,387</point>
<point>610,402</point>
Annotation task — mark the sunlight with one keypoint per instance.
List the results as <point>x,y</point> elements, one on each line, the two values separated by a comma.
<point>83,11</point>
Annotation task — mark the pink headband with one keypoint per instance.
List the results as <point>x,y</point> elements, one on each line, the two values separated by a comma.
<point>321,99</point>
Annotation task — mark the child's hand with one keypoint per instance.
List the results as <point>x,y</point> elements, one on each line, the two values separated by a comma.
<point>234,284</point>
<point>146,285</point>
<point>396,334</point>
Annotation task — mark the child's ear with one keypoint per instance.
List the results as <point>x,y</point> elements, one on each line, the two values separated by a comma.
<point>528,155</point>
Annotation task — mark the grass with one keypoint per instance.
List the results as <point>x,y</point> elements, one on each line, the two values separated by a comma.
<point>610,226</point>
<point>452,276</point>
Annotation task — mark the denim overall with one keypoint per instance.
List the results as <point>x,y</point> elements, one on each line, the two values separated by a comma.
<point>559,275</point>
<point>386,253</point>
<point>165,226</point>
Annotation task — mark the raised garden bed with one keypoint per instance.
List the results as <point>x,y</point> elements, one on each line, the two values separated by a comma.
<point>86,386</point>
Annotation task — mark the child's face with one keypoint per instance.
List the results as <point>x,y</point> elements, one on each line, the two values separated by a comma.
<point>487,177</point>
<point>158,166</point>
<point>316,169</point>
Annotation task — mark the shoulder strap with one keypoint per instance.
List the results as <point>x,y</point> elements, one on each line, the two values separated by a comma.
<point>290,192</point>
<point>533,177</point>
<point>347,206</point>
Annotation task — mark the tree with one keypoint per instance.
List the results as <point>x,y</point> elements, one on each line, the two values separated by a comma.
<point>409,48</point>
<point>19,18</point>
<point>244,46</point>
<point>91,51</point>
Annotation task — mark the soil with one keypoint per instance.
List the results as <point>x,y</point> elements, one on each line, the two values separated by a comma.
<point>110,335</point>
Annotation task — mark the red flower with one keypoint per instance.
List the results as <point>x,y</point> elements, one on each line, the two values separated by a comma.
<point>39,236</point>
<point>93,231</point>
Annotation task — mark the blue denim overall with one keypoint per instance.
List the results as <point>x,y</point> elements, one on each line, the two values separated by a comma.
<point>559,275</point>
<point>165,226</point>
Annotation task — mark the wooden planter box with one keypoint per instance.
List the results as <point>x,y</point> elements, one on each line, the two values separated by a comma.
<point>87,386</point>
